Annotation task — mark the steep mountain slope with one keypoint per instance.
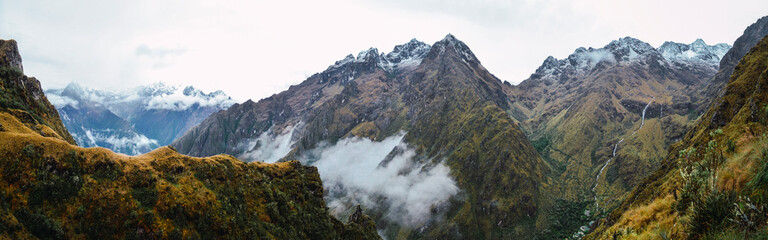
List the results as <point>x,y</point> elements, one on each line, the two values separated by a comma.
<point>712,183</point>
<point>24,94</point>
<point>419,135</point>
<point>602,118</point>
<point>229,131</point>
<point>52,189</point>
<point>137,120</point>
<point>743,44</point>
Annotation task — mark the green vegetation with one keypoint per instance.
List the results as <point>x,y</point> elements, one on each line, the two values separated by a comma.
<point>39,224</point>
<point>541,144</point>
<point>711,212</point>
<point>74,193</point>
<point>566,218</point>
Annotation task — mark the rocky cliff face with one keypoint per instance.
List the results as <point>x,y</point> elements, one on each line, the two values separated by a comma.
<point>429,124</point>
<point>54,189</point>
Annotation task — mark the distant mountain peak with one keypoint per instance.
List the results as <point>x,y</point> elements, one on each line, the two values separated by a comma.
<point>156,95</point>
<point>697,52</point>
<point>627,50</point>
<point>73,89</point>
<point>450,38</point>
<point>369,55</point>
<point>413,49</point>
<point>404,55</point>
<point>450,42</point>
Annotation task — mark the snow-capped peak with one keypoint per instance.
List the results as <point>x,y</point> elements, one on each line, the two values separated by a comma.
<point>696,52</point>
<point>369,55</point>
<point>405,55</point>
<point>414,49</point>
<point>153,96</point>
<point>461,49</point>
<point>622,51</point>
<point>349,58</point>
<point>628,48</point>
<point>155,89</point>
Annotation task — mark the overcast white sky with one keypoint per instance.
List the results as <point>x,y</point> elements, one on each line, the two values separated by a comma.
<point>252,49</point>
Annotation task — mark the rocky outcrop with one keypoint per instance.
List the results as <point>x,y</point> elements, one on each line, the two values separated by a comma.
<point>26,97</point>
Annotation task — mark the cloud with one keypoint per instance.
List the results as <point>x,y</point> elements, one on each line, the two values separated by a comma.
<point>160,56</point>
<point>136,143</point>
<point>600,55</point>
<point>61,101</point>
<point>354,171</point>
<point>155,96</point>
<point>160,52</point>
<point>178,101</point>
<point>269,147</point>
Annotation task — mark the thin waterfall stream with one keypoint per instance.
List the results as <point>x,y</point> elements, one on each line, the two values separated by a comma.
<point>584,229</point>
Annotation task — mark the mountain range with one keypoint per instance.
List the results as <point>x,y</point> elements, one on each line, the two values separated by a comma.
<point>424,102</point>
<point>135,121</point>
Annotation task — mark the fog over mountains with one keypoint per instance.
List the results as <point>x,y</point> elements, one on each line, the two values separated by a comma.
<point>134,121</point>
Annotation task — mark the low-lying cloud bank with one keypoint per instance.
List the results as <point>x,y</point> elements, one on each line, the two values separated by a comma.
<point>155,96</point>
<point>269,147</point>
<point>131,144</point>
<point>181,100</point>
<point>62,101</point>
<point>358,171</point>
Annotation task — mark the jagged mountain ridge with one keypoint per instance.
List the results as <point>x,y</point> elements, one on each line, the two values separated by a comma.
<point>451,111</point>
<point>629,50</point>
<point>134,121</point>
<point>53,189</point>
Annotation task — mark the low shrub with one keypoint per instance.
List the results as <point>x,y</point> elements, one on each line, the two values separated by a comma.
<point>712,213</point>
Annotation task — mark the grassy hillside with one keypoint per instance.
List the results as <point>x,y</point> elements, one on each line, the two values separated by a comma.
<point>713,183</point>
